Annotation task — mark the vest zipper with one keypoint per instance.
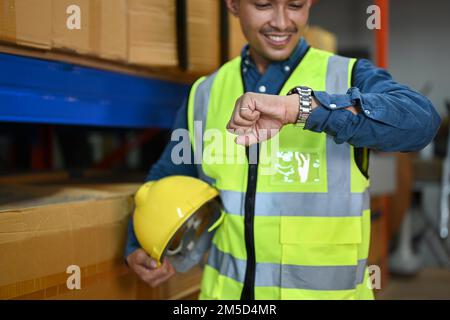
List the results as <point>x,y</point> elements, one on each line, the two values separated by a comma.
<point>248,291</point>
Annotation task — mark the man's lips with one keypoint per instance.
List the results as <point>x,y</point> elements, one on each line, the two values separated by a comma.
<point>277,39</point>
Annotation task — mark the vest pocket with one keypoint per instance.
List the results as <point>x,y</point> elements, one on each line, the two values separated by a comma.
<point>319,257</point>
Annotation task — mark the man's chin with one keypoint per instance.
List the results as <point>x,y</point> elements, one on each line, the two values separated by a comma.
<point>278,55</point>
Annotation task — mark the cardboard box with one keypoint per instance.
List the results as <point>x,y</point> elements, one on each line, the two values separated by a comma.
<point>55,177</point>
<point>152,33</point>
<point>320,38</point>
<point>113,30</point>
<point>45,229</point>
<point>65,32</point>
<point>203,19</point>
<point>26,22</point>
<point>43,24</point>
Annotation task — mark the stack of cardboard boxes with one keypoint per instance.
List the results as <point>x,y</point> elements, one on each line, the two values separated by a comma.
<point>49,231</point>
<point>66,241</point>
<point>151,32</point>
<point>203,35</point>
<point>137,32</point>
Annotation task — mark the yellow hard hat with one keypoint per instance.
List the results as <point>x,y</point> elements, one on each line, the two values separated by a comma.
<point>169,209</point>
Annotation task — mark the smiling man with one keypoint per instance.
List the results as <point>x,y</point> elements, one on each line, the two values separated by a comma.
<point>271,40</point>
<point>302,232</point>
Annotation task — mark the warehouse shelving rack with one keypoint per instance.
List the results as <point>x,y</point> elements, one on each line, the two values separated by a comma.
<point>57,92</point>
<point>35,90</point>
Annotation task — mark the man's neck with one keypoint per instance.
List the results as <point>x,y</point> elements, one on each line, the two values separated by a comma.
<point>261,62</point>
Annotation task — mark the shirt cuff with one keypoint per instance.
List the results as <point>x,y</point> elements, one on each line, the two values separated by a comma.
<point>324,120</point>
<point>331,115</point>
<point>338,101</point>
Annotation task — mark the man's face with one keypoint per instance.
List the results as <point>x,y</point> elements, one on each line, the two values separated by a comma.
<point>272,27</point>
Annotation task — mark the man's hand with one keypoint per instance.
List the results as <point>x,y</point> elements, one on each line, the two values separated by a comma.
<point>258,117</point>
<point>145,267</point>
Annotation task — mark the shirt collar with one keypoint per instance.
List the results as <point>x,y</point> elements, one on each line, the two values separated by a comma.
<point>289,63</point>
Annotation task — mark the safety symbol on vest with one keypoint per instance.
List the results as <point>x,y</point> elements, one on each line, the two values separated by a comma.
<point>296,166</point>
<point>303,165</point>
<point>286,169</point>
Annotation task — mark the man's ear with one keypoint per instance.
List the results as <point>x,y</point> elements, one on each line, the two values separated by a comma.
<point>233,6</point>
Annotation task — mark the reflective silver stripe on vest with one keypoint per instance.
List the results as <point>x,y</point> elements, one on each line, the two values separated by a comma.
<point>331,204</point>
<point>360,270</point>
<point>293,276</point>
<point>337,75</point>
<point>201,103</point>
<point>338,155</point>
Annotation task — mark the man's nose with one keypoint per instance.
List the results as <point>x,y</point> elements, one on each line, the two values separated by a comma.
<point>280,19</point>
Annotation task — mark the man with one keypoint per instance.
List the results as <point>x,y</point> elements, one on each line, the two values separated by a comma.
<point>302,232</point>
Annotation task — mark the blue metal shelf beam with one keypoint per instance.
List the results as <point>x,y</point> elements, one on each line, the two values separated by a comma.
<point>49,92</point>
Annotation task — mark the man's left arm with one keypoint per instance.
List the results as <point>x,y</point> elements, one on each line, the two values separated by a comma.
<point>376,112</point>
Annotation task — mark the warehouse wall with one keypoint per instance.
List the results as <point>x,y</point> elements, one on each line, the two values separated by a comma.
<point>412,22</point>
<point>345,18</point>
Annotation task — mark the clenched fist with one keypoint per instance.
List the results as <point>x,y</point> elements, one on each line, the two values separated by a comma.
<point>258,117</point>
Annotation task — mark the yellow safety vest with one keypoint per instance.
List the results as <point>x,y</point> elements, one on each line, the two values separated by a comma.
<point>296,225</point>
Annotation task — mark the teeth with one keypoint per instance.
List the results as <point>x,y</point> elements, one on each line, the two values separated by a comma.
<point>278,38</point>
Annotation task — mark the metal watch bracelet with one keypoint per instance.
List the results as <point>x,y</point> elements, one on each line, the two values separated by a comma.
<point>305,103</point>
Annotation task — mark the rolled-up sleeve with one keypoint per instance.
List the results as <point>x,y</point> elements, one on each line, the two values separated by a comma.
<point>392,116</point>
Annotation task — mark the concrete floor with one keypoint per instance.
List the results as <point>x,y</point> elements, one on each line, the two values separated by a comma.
<point>429,284</point>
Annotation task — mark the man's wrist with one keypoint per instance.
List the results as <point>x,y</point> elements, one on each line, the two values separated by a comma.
<point>292,109</point>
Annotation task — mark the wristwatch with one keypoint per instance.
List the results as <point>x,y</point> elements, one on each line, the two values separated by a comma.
<point>305,105</point>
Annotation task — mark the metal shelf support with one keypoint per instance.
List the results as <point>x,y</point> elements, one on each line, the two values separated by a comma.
<point>50,92</point>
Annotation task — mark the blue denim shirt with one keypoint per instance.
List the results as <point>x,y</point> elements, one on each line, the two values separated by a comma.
<point>393,117</point>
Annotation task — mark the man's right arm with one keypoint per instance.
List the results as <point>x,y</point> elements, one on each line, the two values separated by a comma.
<point>164,167</point>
